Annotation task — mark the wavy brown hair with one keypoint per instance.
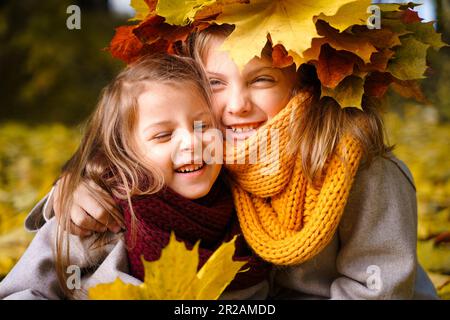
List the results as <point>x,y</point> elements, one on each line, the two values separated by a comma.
<point>323,122</point>
<point>108,155</point>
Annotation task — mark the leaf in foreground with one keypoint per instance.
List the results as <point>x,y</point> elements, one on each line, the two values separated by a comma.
<point>174,276</point>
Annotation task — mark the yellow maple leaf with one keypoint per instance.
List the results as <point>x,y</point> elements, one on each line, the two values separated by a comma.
<point>289,22</point>
<point>141,10</point>
<point>349,14</point>
<point>180,12</point>
<point>174,276</point>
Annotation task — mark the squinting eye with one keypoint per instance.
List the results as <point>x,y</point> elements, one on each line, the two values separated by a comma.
<point>163,136</point>
<point>202,126</point>
<point>263,79</point>
<point>215,82</point>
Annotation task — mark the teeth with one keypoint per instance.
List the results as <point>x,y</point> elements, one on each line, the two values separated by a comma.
<point>190,168</point>
<point>242,129</point>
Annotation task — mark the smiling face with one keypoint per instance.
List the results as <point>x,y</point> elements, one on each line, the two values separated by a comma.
<point>166,117</point>
<point>244,100</point>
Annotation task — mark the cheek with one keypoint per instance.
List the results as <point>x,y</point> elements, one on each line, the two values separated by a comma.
<point>161,157</point>
<point>218,102</point>
<point>270,101</point>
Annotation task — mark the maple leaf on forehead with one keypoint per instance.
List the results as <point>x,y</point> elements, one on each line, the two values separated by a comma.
<point>289,22</point>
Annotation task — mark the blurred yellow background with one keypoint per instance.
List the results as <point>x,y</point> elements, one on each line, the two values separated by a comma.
<point>50,78</point>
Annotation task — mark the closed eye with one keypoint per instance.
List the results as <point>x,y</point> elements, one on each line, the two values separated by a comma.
<point>216,83</point>
<point>263,79</point>
<point>163,136</point>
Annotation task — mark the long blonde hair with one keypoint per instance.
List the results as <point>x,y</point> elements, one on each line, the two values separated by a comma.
<point>323,123</point>
<point>108,154</point>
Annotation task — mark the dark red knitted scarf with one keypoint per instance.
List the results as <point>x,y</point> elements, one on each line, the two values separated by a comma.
<point>211,219</point>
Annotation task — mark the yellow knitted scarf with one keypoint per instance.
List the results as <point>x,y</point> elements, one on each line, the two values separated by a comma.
<point>284,218</point>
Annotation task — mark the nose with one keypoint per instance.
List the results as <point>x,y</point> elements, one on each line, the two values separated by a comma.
<point>188,147</point>
<point>238,102</point>
<point>189,142</point>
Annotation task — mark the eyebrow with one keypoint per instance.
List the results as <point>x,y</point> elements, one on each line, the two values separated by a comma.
<point>215,73</point>
<point>201,113</point>
<point>256,70</point>
<point>160,123</point>
<point>168,122</point>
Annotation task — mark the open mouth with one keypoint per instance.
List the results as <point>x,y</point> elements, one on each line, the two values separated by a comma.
<point>245,127</point>
<point>243,131</point>
<point>189,168</point>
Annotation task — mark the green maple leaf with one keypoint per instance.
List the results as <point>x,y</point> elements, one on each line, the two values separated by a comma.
<point>425,33</point>
<point>409,62</point>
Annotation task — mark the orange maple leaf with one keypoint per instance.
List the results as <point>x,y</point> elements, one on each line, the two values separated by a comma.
<point>125,45</point>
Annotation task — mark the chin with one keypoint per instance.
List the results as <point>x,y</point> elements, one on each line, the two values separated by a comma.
<point>194,192</point>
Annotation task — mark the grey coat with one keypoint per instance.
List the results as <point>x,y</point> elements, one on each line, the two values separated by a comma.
<point>372,255</point>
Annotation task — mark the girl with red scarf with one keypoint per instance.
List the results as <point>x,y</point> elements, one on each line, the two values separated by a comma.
<point>140,148</point>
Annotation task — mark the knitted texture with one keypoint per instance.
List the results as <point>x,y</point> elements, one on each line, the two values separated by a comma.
<point>284,218</point>
<point>211,219</point>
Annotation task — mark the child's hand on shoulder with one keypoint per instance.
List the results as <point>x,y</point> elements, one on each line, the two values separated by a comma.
<point>86,214</point>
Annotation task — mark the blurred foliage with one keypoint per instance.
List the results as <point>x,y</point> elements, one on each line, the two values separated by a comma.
<point>50,73</point>
<point>421,141</point>
<point>436,86</point>
<point>30,161</point>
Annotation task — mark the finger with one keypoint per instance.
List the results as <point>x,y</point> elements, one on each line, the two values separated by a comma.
<point>85,200</point>
<point>108,219</point>
<point>114,225</point>
<point>95,209</point>
<point>79,231</point>
<point>85,221</point>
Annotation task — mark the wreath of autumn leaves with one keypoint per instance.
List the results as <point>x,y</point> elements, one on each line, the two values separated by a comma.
<point>351,60</point>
